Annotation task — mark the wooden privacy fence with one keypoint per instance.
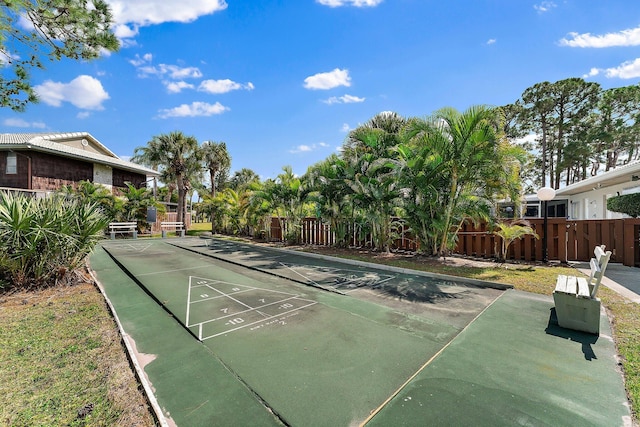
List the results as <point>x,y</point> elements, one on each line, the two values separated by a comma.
<point>567,240</point>
<point>313,231</point>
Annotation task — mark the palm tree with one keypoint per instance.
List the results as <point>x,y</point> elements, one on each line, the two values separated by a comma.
<point>374,184</point>
<point>332,195</point>
<point>88,192</point>
<point>289,196</point>
<point>465,148</point>
<point>509,232</point>
<point>216,160</point>
<point>386,127</point>
<point>136,204</point>
<point>243,178</point>
<point>178,158</point>
<point>418,172</point>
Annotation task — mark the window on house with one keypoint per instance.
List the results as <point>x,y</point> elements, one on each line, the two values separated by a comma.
<point>12,164</point>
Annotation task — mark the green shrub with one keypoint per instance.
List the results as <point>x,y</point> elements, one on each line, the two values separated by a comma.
<point>42,240</point>
<point>628,204</point>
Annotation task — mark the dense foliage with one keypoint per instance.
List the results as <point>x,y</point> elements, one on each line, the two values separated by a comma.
<point>43,240</point>
<point>628,204</point>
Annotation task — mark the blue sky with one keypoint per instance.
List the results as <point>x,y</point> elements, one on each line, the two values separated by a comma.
<point>283,81</point>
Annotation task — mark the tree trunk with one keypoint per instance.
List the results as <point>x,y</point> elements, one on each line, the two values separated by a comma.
<point>182,195</point>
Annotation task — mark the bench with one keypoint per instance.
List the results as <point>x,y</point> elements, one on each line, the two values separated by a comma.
<point>577,306</point>
<point>123,227</point>
<point>177,226</point>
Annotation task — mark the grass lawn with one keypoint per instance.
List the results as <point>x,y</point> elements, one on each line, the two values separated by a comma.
<point>199,228</point>
<point>64,363</point>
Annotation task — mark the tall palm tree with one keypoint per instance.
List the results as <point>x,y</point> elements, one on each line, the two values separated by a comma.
<point>217,160</point>
<point>331,194</point>
<point>385,126</point>
<point>243,178</point>
<point>136,204</point>
<point>178,159</point>
<point>374,185</point>
<point>465,148</point>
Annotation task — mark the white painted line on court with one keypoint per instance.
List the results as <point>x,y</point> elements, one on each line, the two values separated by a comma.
<point>301,275</point>
<point>258,321</point>
<point>188,302</point>
<point>236,284</point>
<point>249,310</point>
<point>171,271</point>
<point>217,296</point>
<point>230,297</point>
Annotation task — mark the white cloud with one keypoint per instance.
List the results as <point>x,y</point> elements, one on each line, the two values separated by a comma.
<point>195,109</point>
<point>130,15</point>
<point>344,99</point>
<point>630,37</point>
<point>122,31</point>
<point>164,71</point>
<point>545,6</point>
<point>176,72</point>
<point>173,76</point>
<point>356,3</point>
<point>626,70</point>
<point>177,87</point>
<point>222,86</point>
<point>328,80</point>
<point>83,92</point>
<point>139,61</point>
<point>21,123</point>
<point>345,128</point>
<point>592,73</point>
<point>83,115</point>
<point>303,148</point>
<point>491,41</point>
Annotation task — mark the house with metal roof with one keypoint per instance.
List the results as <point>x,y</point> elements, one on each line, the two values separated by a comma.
<point>44,162</point>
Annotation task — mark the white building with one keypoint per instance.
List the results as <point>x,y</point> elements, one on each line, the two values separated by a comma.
<point>587,199</point>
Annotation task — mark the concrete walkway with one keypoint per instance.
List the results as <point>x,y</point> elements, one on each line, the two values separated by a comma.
<point>620,278</point>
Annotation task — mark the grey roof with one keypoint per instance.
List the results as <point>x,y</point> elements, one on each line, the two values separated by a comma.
<point>46,142</point>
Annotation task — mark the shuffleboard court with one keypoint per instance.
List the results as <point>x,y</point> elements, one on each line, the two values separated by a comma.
<point>327,349</point>
<point>440,298</point>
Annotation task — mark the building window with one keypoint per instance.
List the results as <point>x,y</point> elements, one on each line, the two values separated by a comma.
<point>12,163</point>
